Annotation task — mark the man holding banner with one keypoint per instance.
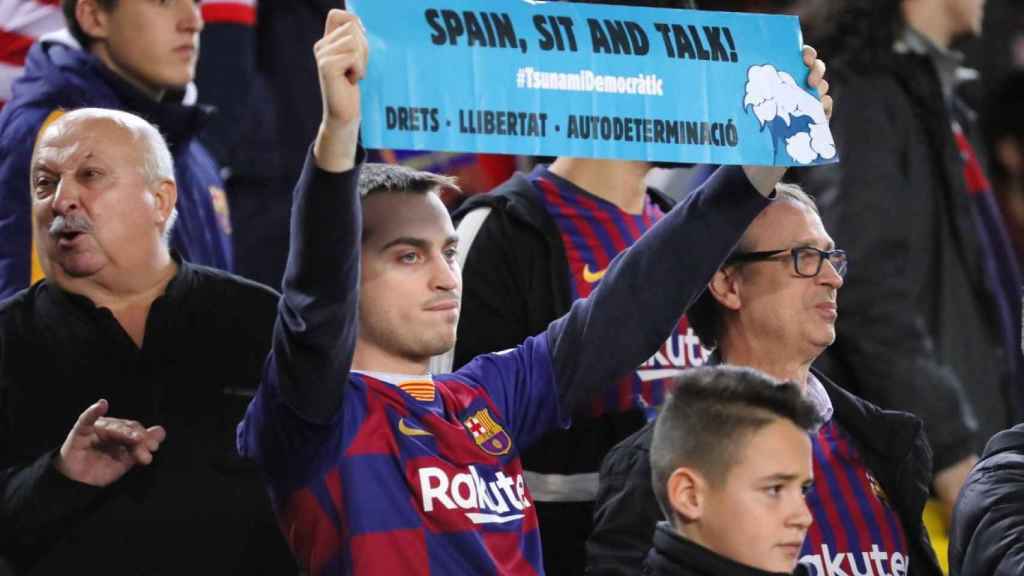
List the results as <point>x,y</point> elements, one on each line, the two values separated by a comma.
<point>531,248</point>
<point>376,466</point>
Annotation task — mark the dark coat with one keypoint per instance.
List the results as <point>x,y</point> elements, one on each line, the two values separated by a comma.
<point>987,536</point>
<point>198,508</point>
<point>673,555</point>
<point>918,330</point>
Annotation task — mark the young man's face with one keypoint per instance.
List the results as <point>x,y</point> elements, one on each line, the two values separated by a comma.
<point>758,516</point>
<point>154,44</point>
<point>411,282</point>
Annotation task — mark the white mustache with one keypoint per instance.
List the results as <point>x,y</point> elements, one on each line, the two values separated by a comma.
<point>70,224</point>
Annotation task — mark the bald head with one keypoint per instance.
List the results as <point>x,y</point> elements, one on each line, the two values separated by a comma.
<point>103,195</point>
<point>155,158</point>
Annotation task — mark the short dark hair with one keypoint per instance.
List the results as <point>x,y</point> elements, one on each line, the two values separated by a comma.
<point>375,178</point>
<point>710,415</point>
<point>68,7</point>
<point>705,314</point>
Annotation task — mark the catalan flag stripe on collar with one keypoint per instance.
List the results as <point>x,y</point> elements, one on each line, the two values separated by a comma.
<point>422,390</point>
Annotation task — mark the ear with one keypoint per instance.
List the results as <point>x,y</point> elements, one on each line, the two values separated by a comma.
<point>92,19</point>
<point>724,287</point>
<point>165,196</point>
<point>687,491</point>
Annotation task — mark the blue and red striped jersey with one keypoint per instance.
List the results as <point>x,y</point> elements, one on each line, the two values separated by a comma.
<point>430,467</point>
<point>594,231</point>
<point>855,530</point>
<point>371,477</point>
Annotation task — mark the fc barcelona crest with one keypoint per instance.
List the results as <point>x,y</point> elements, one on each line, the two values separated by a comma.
<point>488,434</point>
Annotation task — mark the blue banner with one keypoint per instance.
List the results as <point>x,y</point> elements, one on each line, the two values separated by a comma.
<point>587,80</point>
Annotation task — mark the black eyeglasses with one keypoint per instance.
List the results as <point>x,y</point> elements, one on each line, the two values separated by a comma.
<point>806,259</point>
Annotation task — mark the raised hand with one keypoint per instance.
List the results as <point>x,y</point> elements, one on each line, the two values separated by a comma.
<point>816,78</point>
<point>764,178</point>
<point>99,451</point>
<point>341,58</point>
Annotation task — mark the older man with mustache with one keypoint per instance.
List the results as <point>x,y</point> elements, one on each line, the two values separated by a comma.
<point>123,326</point>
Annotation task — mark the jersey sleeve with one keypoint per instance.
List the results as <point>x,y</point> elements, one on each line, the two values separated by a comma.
<point>649,286</point>
<point>520,382</point>
<point>300,396</point>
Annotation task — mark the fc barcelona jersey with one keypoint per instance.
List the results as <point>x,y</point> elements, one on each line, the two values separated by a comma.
<point>855,529</point>
<point>594,231</point>
<point>429,466</point>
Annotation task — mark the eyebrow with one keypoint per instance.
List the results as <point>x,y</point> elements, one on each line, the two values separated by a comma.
<point>780,478</point>
<point>420,243</point>
<point>830,245</point>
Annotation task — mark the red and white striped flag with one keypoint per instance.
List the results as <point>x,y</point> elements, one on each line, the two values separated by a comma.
<point>22,22</point>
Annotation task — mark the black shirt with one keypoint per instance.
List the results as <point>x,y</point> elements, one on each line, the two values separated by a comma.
<point>198,508</point>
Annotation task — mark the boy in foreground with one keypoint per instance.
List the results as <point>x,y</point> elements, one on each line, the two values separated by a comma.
<point>731,463</point>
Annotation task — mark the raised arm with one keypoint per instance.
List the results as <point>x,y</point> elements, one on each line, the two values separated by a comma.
<point>317,323</point>
<point>650,285</point>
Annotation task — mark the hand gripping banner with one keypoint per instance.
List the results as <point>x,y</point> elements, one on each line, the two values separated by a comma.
<point>586,80</point>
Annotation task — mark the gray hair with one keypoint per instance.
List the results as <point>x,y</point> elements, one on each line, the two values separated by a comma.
<point>705,314</point>
<point>157,162</point>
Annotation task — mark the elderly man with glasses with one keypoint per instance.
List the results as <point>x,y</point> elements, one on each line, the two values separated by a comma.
<point>773,306</point>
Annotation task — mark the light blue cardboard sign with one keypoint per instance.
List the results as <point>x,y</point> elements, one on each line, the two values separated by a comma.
<point>567,79</point>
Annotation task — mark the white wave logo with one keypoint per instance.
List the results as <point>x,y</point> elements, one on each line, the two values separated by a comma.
<point>793,116</point>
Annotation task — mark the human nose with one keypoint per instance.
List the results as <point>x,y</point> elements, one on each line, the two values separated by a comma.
<point>192,16</point>
<point>801,517</point>
<point>447,275</point>
<point>829,274</point>
<point>66,197</point>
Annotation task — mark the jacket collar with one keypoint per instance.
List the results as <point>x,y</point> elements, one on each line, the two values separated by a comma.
<point>1005,441</point>
<point>176,289</point>
<point>60,72</point>
<point>674,555</point>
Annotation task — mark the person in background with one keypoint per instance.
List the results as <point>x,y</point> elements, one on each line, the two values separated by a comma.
<point>931,313</point>
<point>133,55</point>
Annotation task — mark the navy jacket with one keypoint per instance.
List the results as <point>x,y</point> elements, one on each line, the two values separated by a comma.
<point>987,536</point>
<point>61,76</point>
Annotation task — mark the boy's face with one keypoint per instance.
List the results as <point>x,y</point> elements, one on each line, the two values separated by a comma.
<point>759,517</point>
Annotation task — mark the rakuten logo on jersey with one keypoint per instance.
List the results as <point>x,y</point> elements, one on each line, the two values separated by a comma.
<point>681,350</point>
<point>484,502</point>
<point>874,563</point>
